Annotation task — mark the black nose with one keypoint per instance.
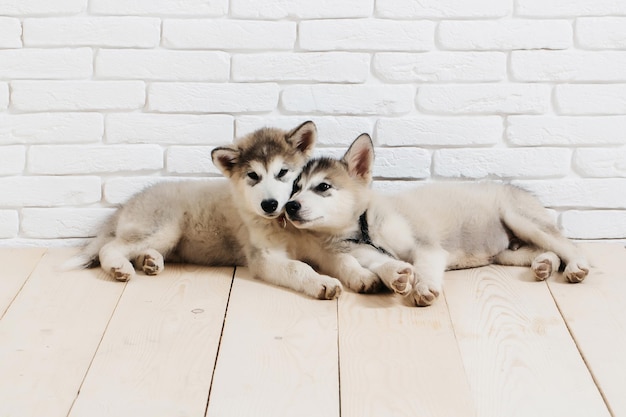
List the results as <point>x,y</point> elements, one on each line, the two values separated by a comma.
<point>292,207</point>
<point>269,206</point>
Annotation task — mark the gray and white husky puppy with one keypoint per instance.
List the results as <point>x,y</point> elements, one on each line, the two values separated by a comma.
<point>234,222</point>
<point>410,238</point>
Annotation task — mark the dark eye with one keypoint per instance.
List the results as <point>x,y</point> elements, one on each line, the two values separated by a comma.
<point>282,173</point>
<point>321,187</point>
<point>253,176</point>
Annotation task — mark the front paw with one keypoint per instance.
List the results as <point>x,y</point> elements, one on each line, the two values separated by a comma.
<point>323,288</point>
<point>399,276</point>
<point>424,294</point>
<point>365,282</point>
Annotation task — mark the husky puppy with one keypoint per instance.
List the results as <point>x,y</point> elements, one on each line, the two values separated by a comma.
<point>410,238</point>
<point>235,222</point>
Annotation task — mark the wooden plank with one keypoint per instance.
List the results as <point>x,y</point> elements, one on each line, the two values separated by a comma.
<point>278,355</point>
<point>159,351</point>
<point>17,265</point>
<point>517,351</point>
<point>398,360</point>
<point>595,312</point>
<point>49,336</point>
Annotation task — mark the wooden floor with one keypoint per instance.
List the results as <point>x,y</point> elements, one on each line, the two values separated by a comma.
<point>198,341</point>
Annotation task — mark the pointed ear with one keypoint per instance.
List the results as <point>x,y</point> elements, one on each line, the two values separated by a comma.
<point>225,159</point>
<point>303,137</point>
<point>360,158</point>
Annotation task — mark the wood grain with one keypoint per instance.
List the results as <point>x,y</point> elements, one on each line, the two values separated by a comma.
<point>517,351</point>
<point>278,355</point>
<point>17,265</point>
<point>159,351</point>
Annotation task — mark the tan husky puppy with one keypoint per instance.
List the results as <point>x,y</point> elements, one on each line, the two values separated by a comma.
<point>428,229</point>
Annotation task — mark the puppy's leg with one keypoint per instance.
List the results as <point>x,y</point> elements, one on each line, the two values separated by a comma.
<point>543,264</point>
<point>395,274</point>
<point>429,265</point>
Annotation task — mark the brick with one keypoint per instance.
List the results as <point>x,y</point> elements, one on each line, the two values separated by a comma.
<point>349,99</point>
<point>129,32</point>
<point>505,34</point>
<point>159,7</point>
<point>502,163</point>
<point>228,34</point>
<point>331,131</point>
<point>12,159</point>
<point>591,98</point>
<point>140,64</point>
<point>366,34</point>
<point>484,98</point>
<point>314,67</point>
<point>440,131</point>
<point>119,190</point>
<point>300,9</point>
<point>9,224</point>
<point>212,98</point>
<point>41,7</point>
<point>30,63</point>
<point>77,95</point>
<point>411,9</point>
<point>594,224</point>
<point>601,32</point>
<point>600,66</point>
<point>69,159</point>
<point>582,193</point>
<point>10,32</point>
<point>441,66</point>
<point>169,128</point>
<point>569,8</point>
<point>49,191</point>
<point>51,223</point>
<point>565,130</point>
<point>601,162</point>
<point>51,128</point>
<point>4,95</point>
<point>190,160</point>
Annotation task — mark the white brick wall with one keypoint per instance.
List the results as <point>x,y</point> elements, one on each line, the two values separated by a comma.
<point>100,98</point>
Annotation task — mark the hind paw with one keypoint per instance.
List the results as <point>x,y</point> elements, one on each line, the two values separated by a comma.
<point>576,271</point>
<point>123,273</point>
<point>152,262</point>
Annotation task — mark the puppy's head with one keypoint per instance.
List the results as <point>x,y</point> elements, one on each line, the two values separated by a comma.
<point>331,194</point>
<point>263,165</point>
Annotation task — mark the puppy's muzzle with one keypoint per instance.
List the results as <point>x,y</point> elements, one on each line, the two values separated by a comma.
<point>292,208</point>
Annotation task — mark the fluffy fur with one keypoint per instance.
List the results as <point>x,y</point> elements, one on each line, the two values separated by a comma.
<point>416,235</point>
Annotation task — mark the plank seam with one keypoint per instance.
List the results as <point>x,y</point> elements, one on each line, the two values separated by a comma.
<point>338,355</point>
<point>17,293</point>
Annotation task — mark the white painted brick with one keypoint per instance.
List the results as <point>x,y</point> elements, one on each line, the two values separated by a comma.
<point>441,66</point>
<point>31,64</point>
<point>582,193</point>
<point>4,95</point>
<point>69,159</point>
<point>505,34</point>
<point>366,34</point>
<point>228,34</point>
<point>568,65</point>
<point>502,163</point>
<point>51,128</point>
<point>49,191</point>
<point>212,98</point>
<point>485,98</point>
<point>77,95</point>
<point>566,8</point>
<point>440,131</point>
<point>565,130</point>
<point>144,64</point>
<point>601,162</point>
<point>410,9</point>
<point>300,9</point>
<point>10,32</point>
<point>190,160</point>
<point>9,224</point>
<point>591,98</point>
<point>130,32</point>
<point>159,7</point>
<point>50,223</point>
<point>41,7</point>
<point>119,190</point>
<point>169,128</point>
<point>288,66</point>
<point>12,159</point>
<point>594,224</point>
<point>331,131</point>
<point>349,99</point>
<point>601,32</point>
